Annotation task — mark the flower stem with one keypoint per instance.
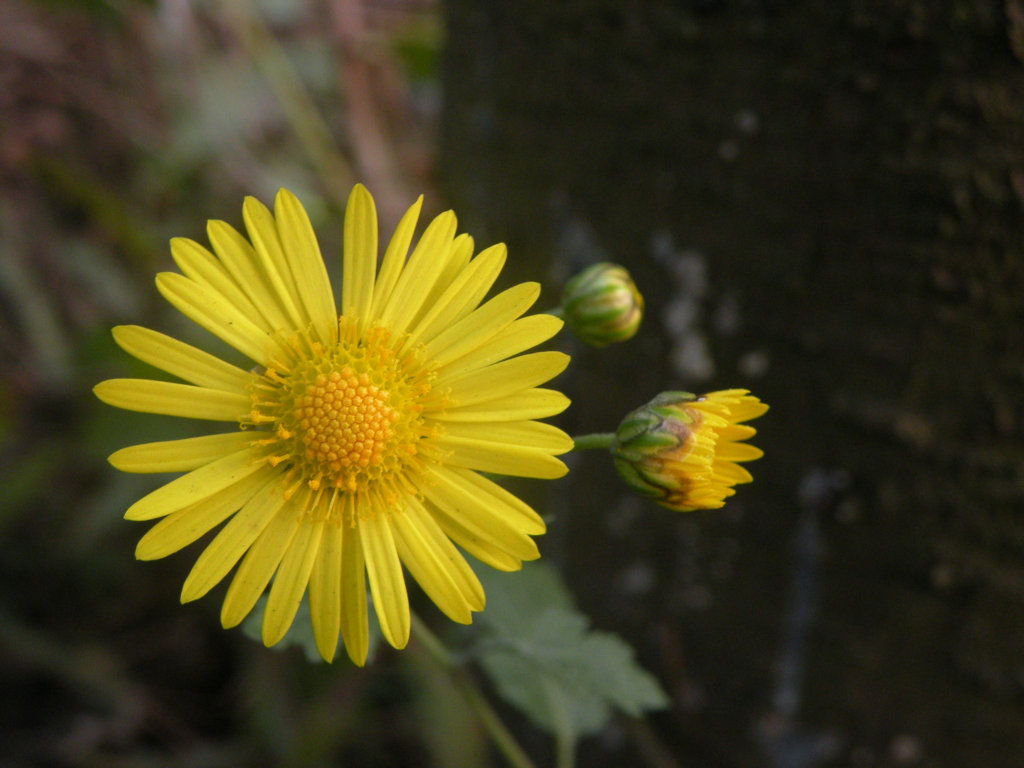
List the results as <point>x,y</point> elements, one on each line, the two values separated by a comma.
<point>500,735</point>
<point>602,440</point>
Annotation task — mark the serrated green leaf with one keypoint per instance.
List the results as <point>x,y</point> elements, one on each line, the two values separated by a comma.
<point>542,657</point>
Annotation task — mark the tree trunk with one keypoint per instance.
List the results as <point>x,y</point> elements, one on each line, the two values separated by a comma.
<point>821,202</point>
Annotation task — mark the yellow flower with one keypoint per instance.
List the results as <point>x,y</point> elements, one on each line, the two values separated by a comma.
<point>682,450</point>
<point>361,438</point>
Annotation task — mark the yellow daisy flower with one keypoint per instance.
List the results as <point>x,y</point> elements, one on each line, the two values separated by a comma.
<point>361,438</point>
<point>682,450</point>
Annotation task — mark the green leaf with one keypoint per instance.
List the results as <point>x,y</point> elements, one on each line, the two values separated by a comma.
<point>542,657</point>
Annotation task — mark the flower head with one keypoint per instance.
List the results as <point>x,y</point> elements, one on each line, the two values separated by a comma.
<point>682,450</point>
<point>602,305</point>
<point>360,436</point>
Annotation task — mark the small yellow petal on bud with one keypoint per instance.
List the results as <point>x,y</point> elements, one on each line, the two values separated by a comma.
<point>681,450</point>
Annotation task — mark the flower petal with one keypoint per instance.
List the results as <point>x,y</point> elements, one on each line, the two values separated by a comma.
<point>180,359</point>
<point>171,399</point>
<point>234,539</point>
<point>500,501</point>
<point>179,455</point>
<point>387,584</point>
<point>200,265</point>
<point>325,592</point>
<point>523,334</point>
<point>181,528</point>
<point>303,252</point>
<point>420,274</point>
<point>461,296</point>
<point>435,563</point>
<point>504,378</point>
<point>482,324</point>
<point>394,259</point>
<point>514,459</point>
<point>359,265</point>
<point>738,452</point>
<point>530,404</point>
<point>259,564</point>
<point>355,627</point>
<point>274,266</point>
<point>239,258</point>
<point>197,485</point>
<point>291,581</point>
<point>211,311</point>
<point>430,567</point>
<point>476,517</point>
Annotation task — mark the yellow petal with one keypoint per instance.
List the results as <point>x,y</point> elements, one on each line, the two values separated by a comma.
<point>482,324</point>
<point>462,294</point>
<point>215,314</point>
<point>325,592</point>
<point>535,435</point>
<point>470,513</point>
<point>486,551</point>
<point>748,408</point>
<point>180,359</point>
<point>234,539</point>
<point>311,281</point>
<point>359,265</point>
<point>274,266</point>
<point>420,274</point>
<point>355,628</point>
<point>504,378</point>
<point>387,584</point>
<point>197,485</point>
<point>258,566</point>
<point>181,528</point>
<point>501,458</point>
<point>499,501</point>
<point>179,455</point>
<point>200,265</point>
<point>170,399</point>
<point>525,333</point>
<point>727,472</point>
<point>394,258</point>
<point>738,452</point>
<point>239,258</point>
<point>529,404</point>
<point>291,581</point>
<point>456,258</point>
<point>436,564</point>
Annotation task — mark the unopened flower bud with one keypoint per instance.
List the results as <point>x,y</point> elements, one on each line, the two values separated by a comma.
<point>682,450</point>
<point>602,305</point>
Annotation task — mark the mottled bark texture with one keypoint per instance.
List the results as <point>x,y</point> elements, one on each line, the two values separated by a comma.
<point>839,186</point>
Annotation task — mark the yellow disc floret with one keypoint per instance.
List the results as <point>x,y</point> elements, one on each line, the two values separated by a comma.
<point>345,416</point>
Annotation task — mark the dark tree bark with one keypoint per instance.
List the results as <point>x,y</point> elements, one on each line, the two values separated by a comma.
<point>849,176</point>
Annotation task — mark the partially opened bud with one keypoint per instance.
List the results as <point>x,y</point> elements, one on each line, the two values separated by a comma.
<point>602,305</point>
<point>682,450</point>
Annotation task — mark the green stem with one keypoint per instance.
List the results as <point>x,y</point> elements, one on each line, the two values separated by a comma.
<point>565,737</point>
<point>500,735</point>
<point>602,440</point>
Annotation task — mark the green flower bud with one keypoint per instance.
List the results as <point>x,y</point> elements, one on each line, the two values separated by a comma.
<point>602,305</point>
<point>681,450</point>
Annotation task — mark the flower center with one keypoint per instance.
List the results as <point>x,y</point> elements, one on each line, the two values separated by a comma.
<point>344,421</point>
<point>345,417</point>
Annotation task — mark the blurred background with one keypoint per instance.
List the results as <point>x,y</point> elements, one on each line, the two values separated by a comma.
<point>821,202</point>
